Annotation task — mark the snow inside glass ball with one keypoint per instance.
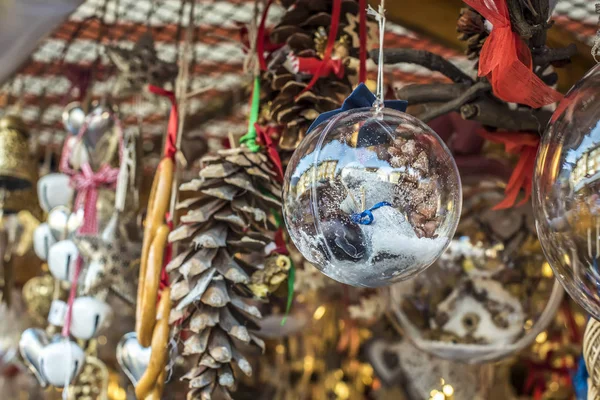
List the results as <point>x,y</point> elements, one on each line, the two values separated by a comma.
<point>566,193</point>
<point>371,197</point>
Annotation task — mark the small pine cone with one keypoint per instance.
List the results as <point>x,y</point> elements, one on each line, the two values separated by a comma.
<point>471,29</point>
<point>416,191</point>
<point>226,228</point>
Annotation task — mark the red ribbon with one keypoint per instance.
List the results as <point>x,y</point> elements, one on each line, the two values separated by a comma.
<point>316,67</point>
<point>172,128</point>
<point>280,243</point>
<point>80,78</point>
<point>260,37</point>
<point>536,379</point>
<point>362,31</point>
<point>72,293</point>
<point>164,276</point>
<point>525,145</point>
<point>333,29</point>
<point>506,60</point>
<point>170,151</point>
<point>265,137</point>
<point>86,182</point>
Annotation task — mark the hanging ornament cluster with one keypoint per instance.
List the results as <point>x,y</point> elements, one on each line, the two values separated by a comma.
<point>566,201</point>
<point>56,359</point>
<point>490,294</point>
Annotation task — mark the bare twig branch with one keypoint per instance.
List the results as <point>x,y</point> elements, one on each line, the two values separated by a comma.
<point>518,21</point>
<point>428,93</point>
<point>426,59</point>
<point>497,115</point>
<point>547,55</point>
<point>455,105</point>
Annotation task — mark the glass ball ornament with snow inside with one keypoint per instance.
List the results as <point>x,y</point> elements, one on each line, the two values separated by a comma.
<point>371,197</point>
<point>566,192</point>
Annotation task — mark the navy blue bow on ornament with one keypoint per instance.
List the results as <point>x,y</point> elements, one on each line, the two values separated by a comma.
<point>361,97</point>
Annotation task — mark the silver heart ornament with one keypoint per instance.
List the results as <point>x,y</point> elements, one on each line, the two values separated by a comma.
<point>33,341</point>
<point>99,123</point>
<point>132,357</point>
<point>73,117</point>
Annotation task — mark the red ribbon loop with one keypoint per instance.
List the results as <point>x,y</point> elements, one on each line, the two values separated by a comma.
<point>333,29</point>
<point>164,275</point>
<point>265,138</point>
<point>506,60</point>
<point>525,145</point>
<point>281,247</point>
<point>261,37</point>
<point>315,67</point>
<point>173,127</point>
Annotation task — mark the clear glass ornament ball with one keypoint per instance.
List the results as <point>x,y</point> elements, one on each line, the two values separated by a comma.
<point>567,192</point>
<point>371,197</point>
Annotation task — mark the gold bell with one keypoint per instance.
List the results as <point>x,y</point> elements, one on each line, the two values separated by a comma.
<point>25,199</point>
<point>17,170</point>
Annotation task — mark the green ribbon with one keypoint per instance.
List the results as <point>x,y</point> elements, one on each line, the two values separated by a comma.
<point>291,274</point>
<point>291,279</point>
<point>249,139</point>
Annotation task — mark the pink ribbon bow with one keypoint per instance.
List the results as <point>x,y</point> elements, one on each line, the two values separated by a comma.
<point>87,182</point>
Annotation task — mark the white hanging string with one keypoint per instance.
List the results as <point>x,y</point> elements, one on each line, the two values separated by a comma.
<point>380,17</point>
<point>126,170</point>
<point>596,48</point>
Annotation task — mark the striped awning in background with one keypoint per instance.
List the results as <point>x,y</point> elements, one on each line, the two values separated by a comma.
<point>43,85</point>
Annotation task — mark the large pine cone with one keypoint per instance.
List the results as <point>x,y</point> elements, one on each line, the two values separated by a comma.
<point>225,229</point>
<point>294,111</point>
<point>303,31</point>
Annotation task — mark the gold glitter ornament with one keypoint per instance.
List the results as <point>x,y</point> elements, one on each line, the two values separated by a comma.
<point>264,282</point>
<point>91,383</point>
<point>38,294</point>
<point>17,170</point>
